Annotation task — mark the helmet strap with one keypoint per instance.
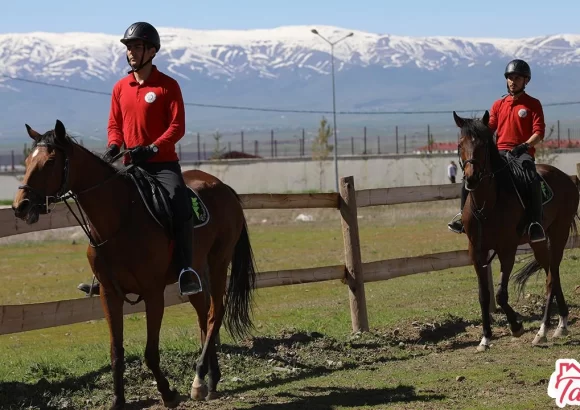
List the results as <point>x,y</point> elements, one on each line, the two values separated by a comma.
<point>140,66</point>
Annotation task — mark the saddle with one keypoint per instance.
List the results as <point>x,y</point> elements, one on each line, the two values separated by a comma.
<point>156,199</point>
<point>521,189</point>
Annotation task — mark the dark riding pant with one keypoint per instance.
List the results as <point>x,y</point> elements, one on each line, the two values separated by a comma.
<point>170,176</point>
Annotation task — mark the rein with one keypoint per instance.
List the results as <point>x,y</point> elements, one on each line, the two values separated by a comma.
<point>478,213</point>
<point>63,193</point>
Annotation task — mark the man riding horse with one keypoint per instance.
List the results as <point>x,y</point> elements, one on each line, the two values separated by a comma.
<point>148,116</point>
<point>518,120</point>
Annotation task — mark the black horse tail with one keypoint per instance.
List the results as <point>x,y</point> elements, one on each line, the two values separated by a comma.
<point>524,274</point>
<point>239,303</point>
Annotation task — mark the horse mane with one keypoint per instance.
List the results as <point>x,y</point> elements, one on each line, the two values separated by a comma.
<point>481,135</point>
<point>50,138</point>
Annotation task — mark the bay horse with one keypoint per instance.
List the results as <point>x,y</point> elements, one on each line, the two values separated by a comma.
<point>494,218</point>
<point>130,253</point>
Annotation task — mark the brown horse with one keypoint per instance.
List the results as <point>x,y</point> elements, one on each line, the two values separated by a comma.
<point>493,219</point>
<point>130,253</point>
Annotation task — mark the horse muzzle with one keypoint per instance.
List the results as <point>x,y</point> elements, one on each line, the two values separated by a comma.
<point>27,211</point>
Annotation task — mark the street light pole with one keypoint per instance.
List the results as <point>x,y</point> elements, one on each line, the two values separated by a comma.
<point>332,44</point>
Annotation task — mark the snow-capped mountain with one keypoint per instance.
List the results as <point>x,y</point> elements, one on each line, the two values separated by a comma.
<point>286,67</point>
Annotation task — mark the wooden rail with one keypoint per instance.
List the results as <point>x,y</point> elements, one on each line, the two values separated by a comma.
<point>26,317</point>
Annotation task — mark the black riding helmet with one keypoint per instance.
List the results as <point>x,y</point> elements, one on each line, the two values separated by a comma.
<point>146,33</point>
<point>142,31</point>
<point>519,67</point>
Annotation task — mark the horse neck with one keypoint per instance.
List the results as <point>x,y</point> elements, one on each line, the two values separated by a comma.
<point>99,193</point>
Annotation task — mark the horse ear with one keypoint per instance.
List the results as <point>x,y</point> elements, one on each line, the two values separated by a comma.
<point>485,118</point>
<point>33,134</point>
<point>60,131</point>
<point>460,122</point>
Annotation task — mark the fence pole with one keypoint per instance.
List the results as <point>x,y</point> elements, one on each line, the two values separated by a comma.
<point>352,256</point>
<point>198,148</point>
<point>365,141</point>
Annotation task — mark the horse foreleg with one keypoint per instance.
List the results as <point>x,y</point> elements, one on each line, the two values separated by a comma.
<point>113,309</point>
<point>484,298</point>
<point>154,306</point>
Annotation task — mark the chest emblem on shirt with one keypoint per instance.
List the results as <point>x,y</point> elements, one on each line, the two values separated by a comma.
<point>150,97</point>
<point>522,113</point>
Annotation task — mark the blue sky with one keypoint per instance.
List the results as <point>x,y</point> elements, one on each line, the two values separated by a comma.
<point>491,18</point>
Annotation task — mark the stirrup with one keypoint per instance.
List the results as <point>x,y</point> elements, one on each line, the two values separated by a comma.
<point>187,286</point>
<point>452,226</point>
<point>543,238</point>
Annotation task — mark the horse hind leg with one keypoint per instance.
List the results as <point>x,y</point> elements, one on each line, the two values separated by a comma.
<point>554,285</point>
<point>200,303</point>
<point>220,275</point>
<point>208,360</point>
<point>542,256</point>
<point>507,260</point>
<point>154,308</point>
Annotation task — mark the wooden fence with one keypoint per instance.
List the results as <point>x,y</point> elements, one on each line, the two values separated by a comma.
<point>354,273</point>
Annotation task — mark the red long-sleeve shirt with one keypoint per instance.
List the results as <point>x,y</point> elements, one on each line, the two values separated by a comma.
<point>152,112</point>
<point>516,121</point>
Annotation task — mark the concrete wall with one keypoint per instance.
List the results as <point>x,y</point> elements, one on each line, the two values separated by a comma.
<point>299,175</point>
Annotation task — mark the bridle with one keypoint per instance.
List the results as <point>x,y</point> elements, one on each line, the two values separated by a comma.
<point>44,201</point>
<point>63,193</point>
<point>41,201</point>
<point>482,172</point>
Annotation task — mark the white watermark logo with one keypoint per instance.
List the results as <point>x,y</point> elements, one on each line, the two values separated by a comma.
<point>564,384</point>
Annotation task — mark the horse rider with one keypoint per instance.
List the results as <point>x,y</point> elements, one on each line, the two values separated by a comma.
<point>518,120</point>
<point>147,115</point>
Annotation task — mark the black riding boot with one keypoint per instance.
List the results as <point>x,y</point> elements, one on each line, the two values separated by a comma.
<point>189,281</point>
<point>535,230</point>
<point>456,225</point>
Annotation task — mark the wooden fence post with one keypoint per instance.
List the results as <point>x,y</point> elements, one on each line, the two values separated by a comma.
<point>352,256</point>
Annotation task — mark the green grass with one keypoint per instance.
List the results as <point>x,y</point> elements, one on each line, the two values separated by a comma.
<point>5,202</point>
<point>424,329</point>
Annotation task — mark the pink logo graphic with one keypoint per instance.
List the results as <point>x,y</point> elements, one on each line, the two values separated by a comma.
<point>564,383</point>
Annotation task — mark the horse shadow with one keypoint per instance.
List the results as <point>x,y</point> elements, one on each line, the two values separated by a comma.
<point>265,348</point>
<point>327,398</point>
<point>55,395</point>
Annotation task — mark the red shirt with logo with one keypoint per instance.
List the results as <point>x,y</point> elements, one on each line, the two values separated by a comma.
<point>516,121</point>
<point>143,114</point>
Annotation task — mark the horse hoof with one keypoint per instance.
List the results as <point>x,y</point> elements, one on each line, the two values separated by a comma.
<point>519,332</point>
<point>199,392</point>
<point>172,401</point>
<point>212,395</point>
<point>561,332</point>
<point>538,340</point>
<point>482,348</point>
